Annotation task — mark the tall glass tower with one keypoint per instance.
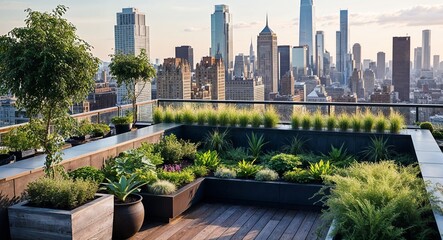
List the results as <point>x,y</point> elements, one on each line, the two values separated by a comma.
<point>426,49</point>
<point>307,28</point>
<point>221,36</point>
<point>342,45</point>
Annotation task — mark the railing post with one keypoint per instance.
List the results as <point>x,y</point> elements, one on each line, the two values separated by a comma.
<point>98,117</point>
<point>329,109</point>
<point>416,115</point>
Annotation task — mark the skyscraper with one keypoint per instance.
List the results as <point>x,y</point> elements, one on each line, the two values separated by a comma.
<point>174,79</point>
<point>342,45</point>
<point>381,65</point>
<point>436,62</point>
<point>267,53</point>
<point>299,63</point>
<point>221,36</point>
<point>307,28</point>
<point>252,59</point>
<point>185,52</point>
<point>426,48</point>
<point>284,61</point>
<point>211,71</point>
<point>418,58</point>
<point>401,66</point>
<point>356,52</point>
<point>131,36</point>
<point>319,52</point>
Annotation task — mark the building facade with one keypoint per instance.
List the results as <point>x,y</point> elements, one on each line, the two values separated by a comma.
<point>174,79</point>
<point>307,28</point>
<point>284,62</point>
<point>247,90</point>
<point>320,53</point>
<point>401,67</point>
<point>267,53</point>
<point>426,50</point>
<point>187,53</point>
<point>211,71</point>
<point>356,53</point>
<point>222,36</point>
<point>381,65</point>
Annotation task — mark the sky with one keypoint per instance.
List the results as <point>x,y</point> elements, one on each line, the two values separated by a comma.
<point>187,22</point>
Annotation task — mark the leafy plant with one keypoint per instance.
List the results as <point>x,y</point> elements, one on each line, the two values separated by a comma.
<point>296,146</point>
<point>121,120</point>
<point>88,173</point>
<point>427,125</point>
<point>306,121</point>
<point>378,150</point>
<point>232,116</point>
<point>320,169</point>
<point>244,118</point>
<point>339,156</point>
<point>124,187</point>
<point>59,193</point>
<point>162,187</point>
<point>309,158</point>
<point>331,122</point>
<point>202,116</point>
<point>344,122</point>
<point>178,178</point>
<point>270,117</point>
<point>247,169</point>
<point>223,117</point>
<point>266,175</point>
<point>223,172</point>
<point>20,139</point>
<point>317,121</point>
<point>236,154</point>
<point>212,116</point>
<point>126,163</point>
<point>100,130</point>
<point>173,150</point>
<point>380,123</point>
<point>368,121</point>
<point>295,120</point>
<point>143,176</point>
<point>283,162</point>
<point>357,123</point>
<point>396,122</point>
<point>178,117</point>
<point>168,115</point>
<point>208,159</point>
<point>157,115</point>
<point>199,171</point>
<point>256,119</point>
<point>188,116</point>
<point>379,201</point>
<point>149,151</point>
<point>298,176</point>
<point>256,144</point>
<point>218,141</point>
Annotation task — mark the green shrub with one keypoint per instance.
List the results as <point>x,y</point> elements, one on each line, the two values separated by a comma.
<point>236,154</point>
<point>232,116</point>
<point>379,201</point>
<point>244,118</point>
<point>178,117</point>
<point>88,173</point>
<point>297,176</point>
<point>296,146</point>
<point>344,122</point>
<point>100,130</point>
<point>357,122</point>
<point>178,178</point>
<point>172,150</point>
<point>218,141</point>
<point>188,116</point>
<point>162,187</point>
<point>223,117</point>
<point>427,125</point>
<point>212,116</point>
<point>157,115</point>
<point>320,169</point>
<point>60,193</point>
<point>306,121</point>
<point>270,117</point>
<point>438,134</point>
<point>266,175</point>
<point>283,162</point>
<point>125,164</point>
<point>404,159</point>
<point>168,115</point>
<point>256,119</point>
<point>396,122</point>
<point>246,169</point>
<point>378,150</point>
<point>295,120</point>
<point>202,116</point>
<point>368,121</point>
<point>317,121</point>
<point>256,144</point>
<point>121,120</point>
<point>208,159</point>
<point>380,123</point>
<point>189,149</point>
<point>339,156</point>
<point>20,138</point>
<point>223,172</point>
<point>331,122</point>
<point>148,150</point>
<point>199,171</point>
<point>147,177</point>
<point>309,158</point>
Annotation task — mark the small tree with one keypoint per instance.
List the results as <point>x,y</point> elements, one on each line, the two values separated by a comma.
<point>131,70</point>
<point>48,68</point>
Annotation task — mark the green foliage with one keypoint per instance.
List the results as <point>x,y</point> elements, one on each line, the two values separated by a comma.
<point>88,173</point>
<point>296,146</point>
<point>124,187</point>
<point>199,171</point>
<point>168,115</point>
<point>246,169</point>
<point>256,119</point>
<point>427,125</point>
<point>344,122</point>
<point>368,121</point>
<point>133,72</point>
<point>173,150</point>
<point>356,122</point>
<point>121,120</point>
<point>317,121</point>
<point>266,175</point>
<point>396,122</point>
<point>157,116</point>
<point>148,151</point>
<point>404,159</point>
<point>59,193</point>
<point>48,68</point>
<point>295,120</point>
<point>202,116</point>
<point>177,178</point>
<point>208,159</point>
<point>244,118</point>
<point>162,187</point>
<point>309,158</point>
<point>270,117</point>
<point>380,123</point>
<point>223,172</point>
<point>339,157</point>
<point>236,154</point>
<point>298,176</point>
<point>306,121</point>
<point>283,162</point>
<point>256,144</point>
<point>188,116</point>
<point>218,141</point>
<point>178,118</point>
<point>438,134</point>
<point>6,202</point>
<point>331,122</point>
<point>233,117</point>
<point>126,164</point>
<point>379,201</point>
<point>212,116</point>
<point>223,117</point>
<point>144,176</point>
<point>21,138</point>
<point>320,169</point>
<point>99,130</point>
<point>378,150</point>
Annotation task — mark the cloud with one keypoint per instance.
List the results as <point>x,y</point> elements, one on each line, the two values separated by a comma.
<point>195,29</point>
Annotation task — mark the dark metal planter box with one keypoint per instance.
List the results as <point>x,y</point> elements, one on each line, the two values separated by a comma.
<point>24,154</point>
<point>167,207</point>
<point>273,194</point>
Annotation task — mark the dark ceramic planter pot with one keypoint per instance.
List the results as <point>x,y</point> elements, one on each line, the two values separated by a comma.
<point>6,159</point>
<point>128,218</point>
<point>122,128</point>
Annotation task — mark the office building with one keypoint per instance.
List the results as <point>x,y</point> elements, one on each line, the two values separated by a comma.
<point>320,53</point>
<point>426,50</point>
<point>381,65</point>
<point>187,53</point>
<point>307,28</point>
<point>287,84</point>
<point>356,53</point>
<point>241,67</point>
<point>436,62</point>
<point>299,61</point>
<point>247,90</point>
<point>221,36</point>
<point>174,79</point>
<point>342,47</point>
<point>252,60</point>
<point>211,71</point>
<point>284,62</point>
<point>401,67</point>
<point>418,58</point>
<point>267,53</point>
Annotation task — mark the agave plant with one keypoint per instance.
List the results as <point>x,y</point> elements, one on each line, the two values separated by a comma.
<point>124,187</point>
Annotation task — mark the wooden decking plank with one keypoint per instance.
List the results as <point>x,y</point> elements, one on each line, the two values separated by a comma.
<point>271,225</point>
<point>261,223</point>
<point>318,229</point>
<point>228,222</point>
<point>212,226</point>
<point>281,227</point>
<point>294,225</point>
<point>147,229</point>
<point>200,223</point>
<point>249,224</point>
<point>238,224</point>
<point>306,225</point>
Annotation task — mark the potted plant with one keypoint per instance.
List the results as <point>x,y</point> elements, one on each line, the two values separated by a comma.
<point>129,212</point>
<point>6,157</point>
<point>82,130</point>
<point>100,130</point>
<point>59,208</point>
<point>122,123</point>
<point>21,141</point>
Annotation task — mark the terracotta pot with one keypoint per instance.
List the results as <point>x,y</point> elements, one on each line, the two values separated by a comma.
<point>128,218</point>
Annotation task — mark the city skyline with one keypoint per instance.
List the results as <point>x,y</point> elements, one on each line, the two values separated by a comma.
<point>175,23</point>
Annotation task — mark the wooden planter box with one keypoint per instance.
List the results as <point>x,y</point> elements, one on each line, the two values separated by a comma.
<point>167,207</point>
<point>92,220</point>
<point>273,194</point>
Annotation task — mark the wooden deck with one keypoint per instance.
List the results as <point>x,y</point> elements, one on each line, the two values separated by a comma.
<point>225,221</point>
